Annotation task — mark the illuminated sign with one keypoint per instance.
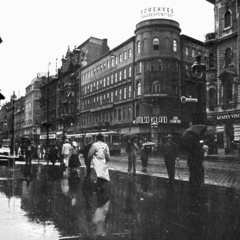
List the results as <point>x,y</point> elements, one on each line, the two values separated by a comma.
<point>51,136</point>
<point>157,12</point>
<point>156,120</point>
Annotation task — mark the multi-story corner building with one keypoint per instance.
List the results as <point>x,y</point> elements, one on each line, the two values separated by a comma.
<point>136,87</point>
<point>223,82</point>
<point>19,118</point>
<point>32,108</point>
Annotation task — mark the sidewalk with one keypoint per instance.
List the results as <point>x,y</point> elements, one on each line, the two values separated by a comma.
<point>226,174</point>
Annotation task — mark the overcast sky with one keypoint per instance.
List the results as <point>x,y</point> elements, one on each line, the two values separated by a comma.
<point>36,32</point>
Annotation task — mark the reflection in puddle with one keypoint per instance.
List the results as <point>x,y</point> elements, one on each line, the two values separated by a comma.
<point>39,202</point>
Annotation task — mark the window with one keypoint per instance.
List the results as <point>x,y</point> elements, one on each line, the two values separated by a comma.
<point>130,53</point>
<point>129,91</point>
<point>124,114</point>
<point>108,81</point>
<point>130,72</point>
<point>138,89</point>
<point>137,110</point>
<point>111,96</point>
<point>112,62</point>
<point>159,65</point>
<point>125,56</point>
<point>152,66</point>
<point>104,82</point>
<point>155,44</point>
<point>156,87</point>
<point>138,47</point>
<point>116,93</point>
<point>91,88</point>
<point>116,78</point>
<point>212,97</point>
<point>193,52</point>
<point>186,51</point>
<point>211,60</point>
<point>120,94</point>
<point>140,67</point>
<point>97,85</point>
<point>119,114</point>
<point>228,57</point>
<point>120,75</point>
<point>108,64</point>
<point>112,79</point>
<point>120,58</point>
<point>227,19</point>
<point>174,45</point>
<point>125,73</point>
<point>124,93</point>
<point>116,60</point>
<point>100,100</point>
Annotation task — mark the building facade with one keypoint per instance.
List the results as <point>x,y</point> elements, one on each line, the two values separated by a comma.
<point>137,86</point>
<point>223,82</point>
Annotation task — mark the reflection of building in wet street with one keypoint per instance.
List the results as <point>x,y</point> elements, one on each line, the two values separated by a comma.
<point>143,207</point>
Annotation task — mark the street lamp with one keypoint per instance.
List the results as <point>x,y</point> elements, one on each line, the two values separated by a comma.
<point>199,69</point>
<point>14,97</point>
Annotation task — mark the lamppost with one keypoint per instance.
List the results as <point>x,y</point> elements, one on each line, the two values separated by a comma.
<point>199,70</point>
<point>14,97</point>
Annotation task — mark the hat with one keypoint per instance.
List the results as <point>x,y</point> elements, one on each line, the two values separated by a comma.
<point>169,136</point>
<point>66,140</point>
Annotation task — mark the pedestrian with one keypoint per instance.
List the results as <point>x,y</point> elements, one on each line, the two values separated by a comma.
<point>29,151</point>
<point>170,153</point>
<point>66,152</point>
<point>145,151</point>
<point>74,161</point>
<point>85,155</point>
<point>132,149</point>
<point>54,154</point>
<point>99,155</point>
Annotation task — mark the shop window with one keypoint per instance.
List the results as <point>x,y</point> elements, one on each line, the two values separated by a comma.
<point>155,44</point>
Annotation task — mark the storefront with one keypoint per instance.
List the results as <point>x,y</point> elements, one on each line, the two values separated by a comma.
<point>228,132</point>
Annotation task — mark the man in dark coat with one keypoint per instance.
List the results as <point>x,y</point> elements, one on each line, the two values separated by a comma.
<point>170,153</point>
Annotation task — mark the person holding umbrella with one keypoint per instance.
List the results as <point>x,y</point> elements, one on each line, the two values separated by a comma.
<point>145,151</point>
<point>170,153</point>
<point>132,149</point>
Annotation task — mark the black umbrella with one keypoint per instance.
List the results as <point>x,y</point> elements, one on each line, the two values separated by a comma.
<point>129,136</point>
<point>191,136</point>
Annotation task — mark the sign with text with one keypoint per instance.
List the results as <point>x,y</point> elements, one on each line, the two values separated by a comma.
<point>228,116</point>
<point>157,12</point>
<point>156,120</point>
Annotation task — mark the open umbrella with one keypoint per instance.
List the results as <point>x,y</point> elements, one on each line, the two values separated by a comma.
<point>191,136</point>
<point>149,144</point>
<point>129,136</point>
<point>199,129</point>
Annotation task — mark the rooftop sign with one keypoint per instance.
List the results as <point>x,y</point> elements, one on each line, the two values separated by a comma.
<point>157,12</point>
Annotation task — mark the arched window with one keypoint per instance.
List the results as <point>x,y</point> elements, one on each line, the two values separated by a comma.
<point>211,60</point>
<point>155,44</point>
<point>227,19</point>
<point>138,89</point>
<point>228,57</point>
<point>156,87</point>
<point>174,45</point>
<point>138,47</point>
